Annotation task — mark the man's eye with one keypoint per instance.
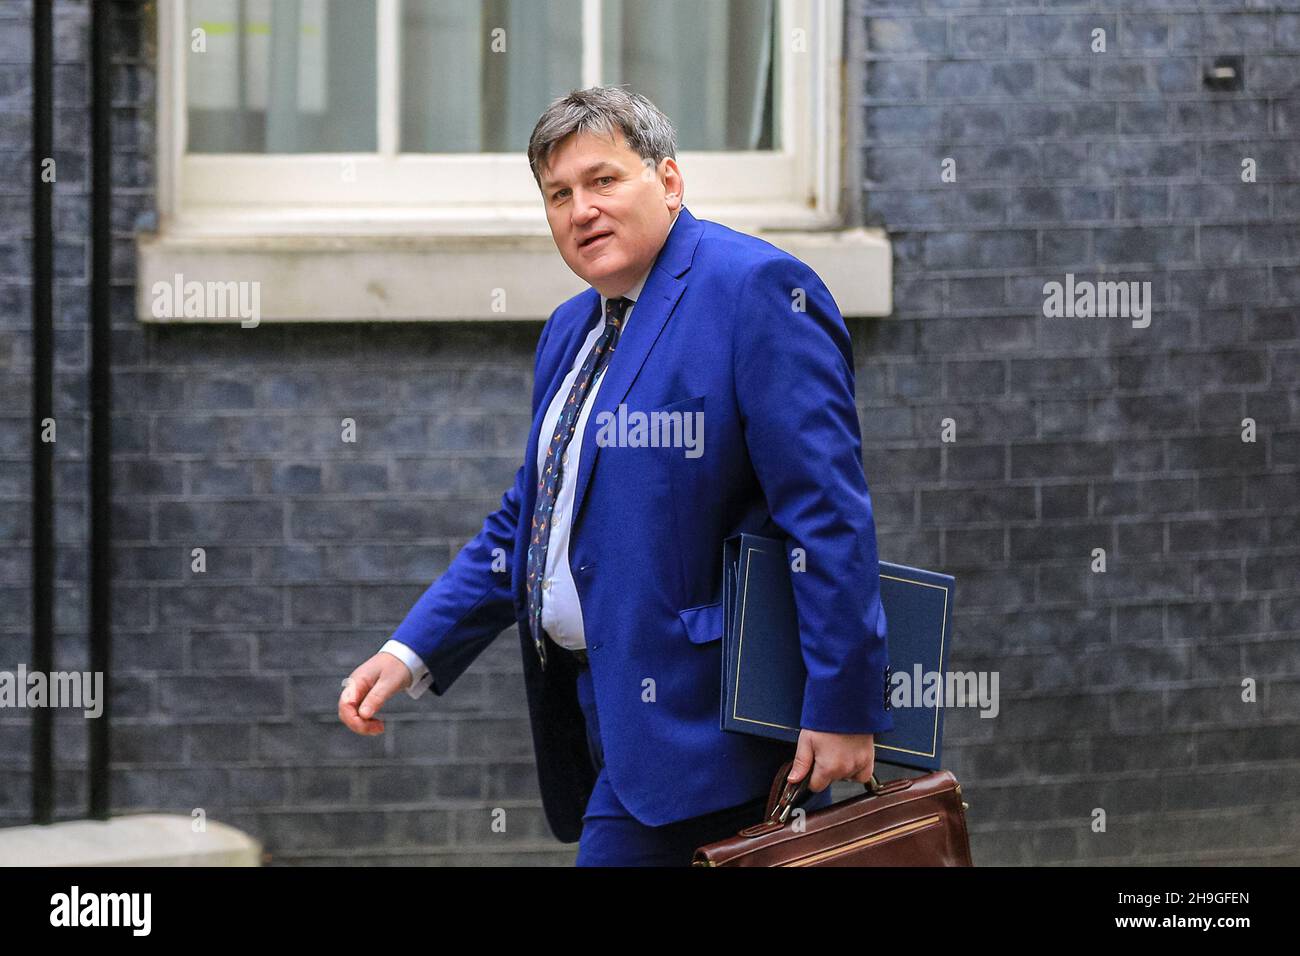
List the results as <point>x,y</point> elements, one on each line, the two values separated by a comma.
<point>605,178</point>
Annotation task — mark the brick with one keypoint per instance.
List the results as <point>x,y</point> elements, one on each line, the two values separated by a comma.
<point>907,35</point>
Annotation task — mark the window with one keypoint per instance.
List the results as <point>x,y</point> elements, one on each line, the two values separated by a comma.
<point>304,121</point>
<point>470,76</point>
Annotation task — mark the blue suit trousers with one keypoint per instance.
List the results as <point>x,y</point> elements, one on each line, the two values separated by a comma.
<point>611,836</point>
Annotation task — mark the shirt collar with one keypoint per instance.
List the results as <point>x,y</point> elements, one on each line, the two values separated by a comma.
<point>634,293</point>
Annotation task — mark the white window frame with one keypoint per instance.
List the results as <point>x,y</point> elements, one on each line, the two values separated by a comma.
<point>295,220</point>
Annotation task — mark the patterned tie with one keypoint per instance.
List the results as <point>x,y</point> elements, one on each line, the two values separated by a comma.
<point>548,483</point>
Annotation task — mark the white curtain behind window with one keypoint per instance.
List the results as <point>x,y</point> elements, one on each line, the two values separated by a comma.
<point>286,76</point>
<point>281,76</point>
<point>706,63</point>
<point>467,88</point>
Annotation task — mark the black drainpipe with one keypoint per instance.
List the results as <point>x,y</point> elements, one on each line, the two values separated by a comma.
<point>42,405</point>
<point>101,342</point>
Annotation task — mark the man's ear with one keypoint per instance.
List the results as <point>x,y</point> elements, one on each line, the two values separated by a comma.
<point>675,188</point>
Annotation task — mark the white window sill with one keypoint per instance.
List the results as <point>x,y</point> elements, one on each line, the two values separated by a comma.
<point>472,268</point>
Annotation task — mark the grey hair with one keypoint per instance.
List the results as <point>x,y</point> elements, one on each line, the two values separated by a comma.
<point>599,109</point>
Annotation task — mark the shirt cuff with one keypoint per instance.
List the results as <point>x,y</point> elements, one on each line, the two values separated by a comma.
<point>420,676</point>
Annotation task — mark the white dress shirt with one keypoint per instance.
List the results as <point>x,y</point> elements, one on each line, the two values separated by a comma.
<point>561,611</point>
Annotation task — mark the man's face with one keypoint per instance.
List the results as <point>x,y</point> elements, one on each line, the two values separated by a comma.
<point>609,212</point>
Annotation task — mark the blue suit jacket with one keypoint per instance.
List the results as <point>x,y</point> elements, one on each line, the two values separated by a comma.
<point>733,327</point>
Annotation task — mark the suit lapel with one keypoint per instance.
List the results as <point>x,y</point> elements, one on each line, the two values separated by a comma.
<point>659,296</point>
<point>663,287</point>
<point>576,338</point>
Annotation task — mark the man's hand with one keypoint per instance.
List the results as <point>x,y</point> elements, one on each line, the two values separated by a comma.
<point>368,689</point>
<point>833,757</point>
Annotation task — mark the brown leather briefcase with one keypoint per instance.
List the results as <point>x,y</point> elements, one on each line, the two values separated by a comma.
<point>916,821</point>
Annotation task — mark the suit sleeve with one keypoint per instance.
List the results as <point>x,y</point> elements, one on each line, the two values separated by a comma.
<point>793,369</point>
<point>465,609</point>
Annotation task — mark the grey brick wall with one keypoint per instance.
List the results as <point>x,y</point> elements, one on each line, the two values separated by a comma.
<point>1119,690</point>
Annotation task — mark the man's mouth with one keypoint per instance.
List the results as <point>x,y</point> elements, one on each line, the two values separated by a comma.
<point>594,240</point>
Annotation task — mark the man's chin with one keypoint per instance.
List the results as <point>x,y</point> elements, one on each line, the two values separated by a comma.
<point>594,271</point>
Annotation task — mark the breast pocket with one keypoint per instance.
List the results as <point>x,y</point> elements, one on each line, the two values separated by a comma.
<point>679,426</point>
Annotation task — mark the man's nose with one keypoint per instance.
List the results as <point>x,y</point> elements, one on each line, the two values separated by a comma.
<point>584,211</point>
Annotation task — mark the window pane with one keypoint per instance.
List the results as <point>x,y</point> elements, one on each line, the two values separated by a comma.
<point>476,74</point>
<point>281,76</point>
<point>708,65</point>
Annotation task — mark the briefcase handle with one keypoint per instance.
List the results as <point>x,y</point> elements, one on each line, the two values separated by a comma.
<point>784,794</point>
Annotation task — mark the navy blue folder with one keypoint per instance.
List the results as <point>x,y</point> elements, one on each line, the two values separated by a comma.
<point>763,671</point>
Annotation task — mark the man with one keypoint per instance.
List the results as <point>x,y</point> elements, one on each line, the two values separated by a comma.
<point>614,542</point>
